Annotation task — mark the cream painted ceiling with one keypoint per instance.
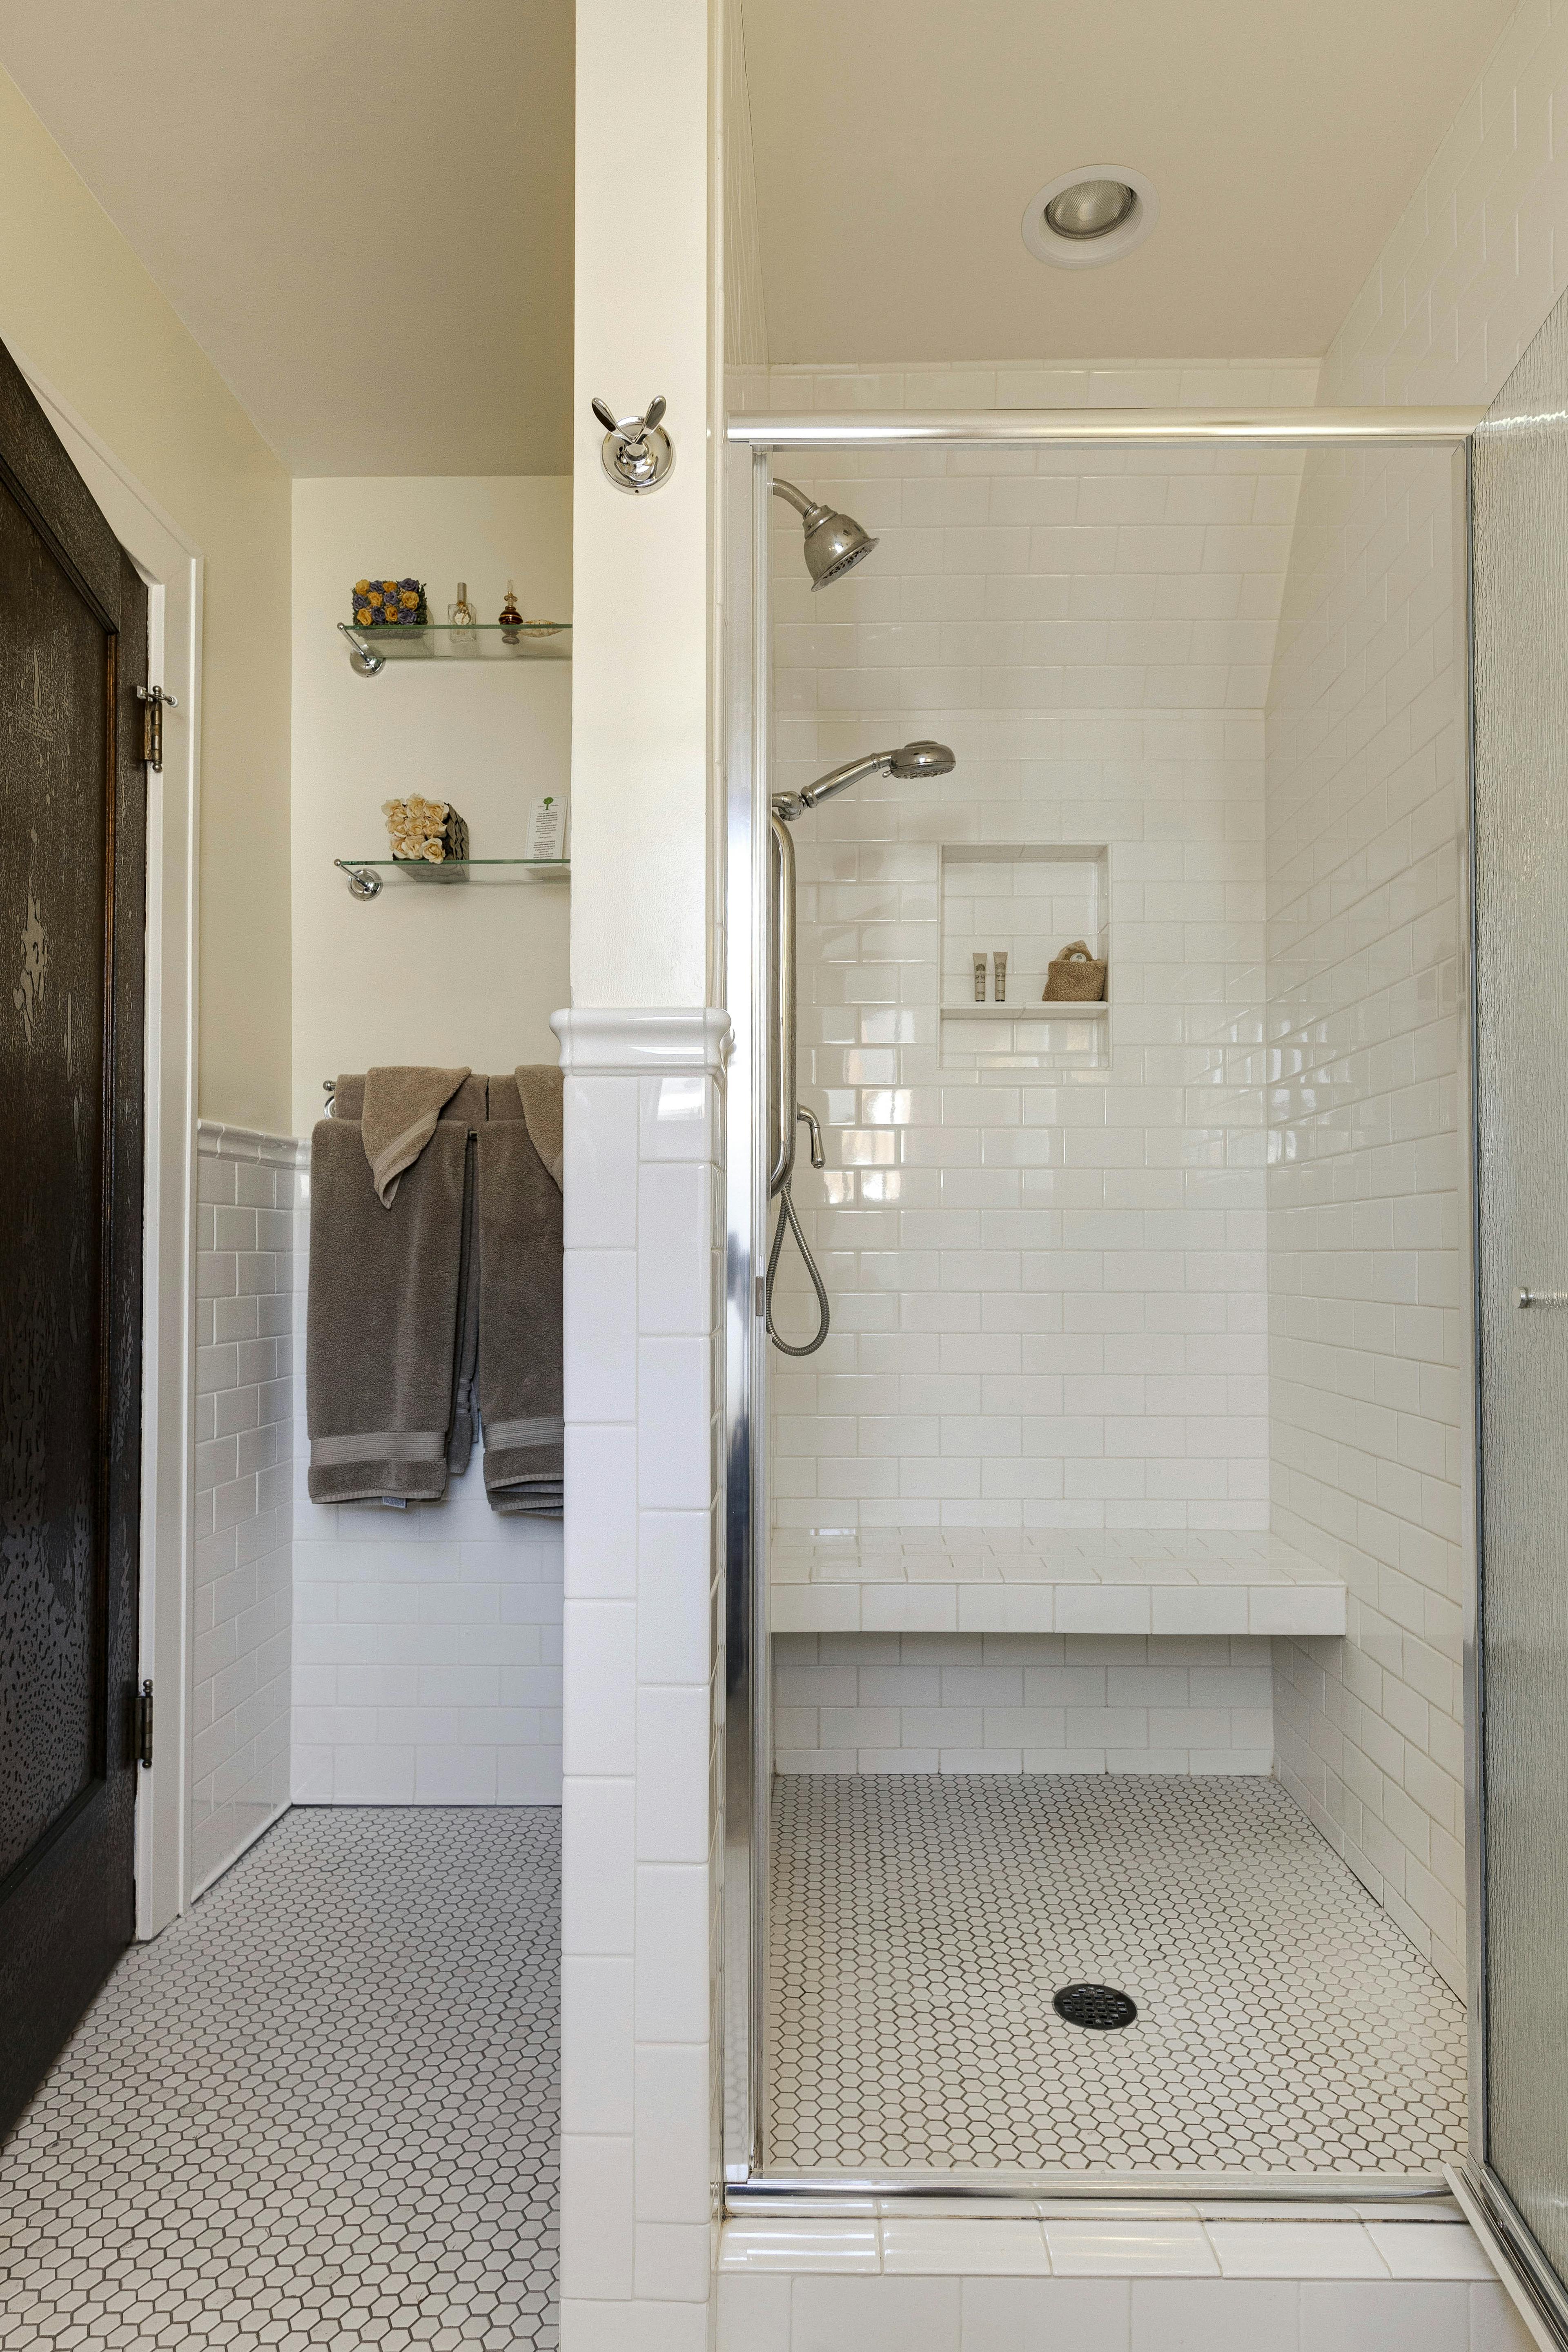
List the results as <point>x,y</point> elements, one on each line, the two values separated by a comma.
<point>897,142</point>
<point>363,212</point>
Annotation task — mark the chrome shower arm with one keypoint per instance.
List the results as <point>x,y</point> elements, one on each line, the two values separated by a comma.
<point>796,498</point>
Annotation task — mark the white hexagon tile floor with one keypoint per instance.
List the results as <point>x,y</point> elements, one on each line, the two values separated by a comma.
<point>921,1925</point>
<point>320,2110</point>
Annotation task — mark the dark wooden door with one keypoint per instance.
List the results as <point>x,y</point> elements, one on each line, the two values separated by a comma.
<point>73,649</point>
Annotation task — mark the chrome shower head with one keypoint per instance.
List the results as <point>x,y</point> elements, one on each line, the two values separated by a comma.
<point>907,761</point>
<point>834,544</point>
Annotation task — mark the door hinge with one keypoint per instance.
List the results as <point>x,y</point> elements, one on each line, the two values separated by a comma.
<point>142,1712</point>
<point>760,1302</point>
<point>155,702</point>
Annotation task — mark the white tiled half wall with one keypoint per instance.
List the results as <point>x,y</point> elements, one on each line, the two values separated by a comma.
<point>1045,1252</point>
<point>247,1190</point>
<point>1021,1702</point>
<point>642,1805</point>
<point>426,1644</point>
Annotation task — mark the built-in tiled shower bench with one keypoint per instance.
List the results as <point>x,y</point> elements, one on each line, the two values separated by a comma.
<point>999,1580</point>
<point>912,1650</point>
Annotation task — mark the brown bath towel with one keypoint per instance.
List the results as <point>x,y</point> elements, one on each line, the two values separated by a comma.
<point>402,1105</point>
<point>542,1092</point>
<point>467,1104</point>
<point>381,1322</point>
<point>520,1235</point>
<point>466,1371</point>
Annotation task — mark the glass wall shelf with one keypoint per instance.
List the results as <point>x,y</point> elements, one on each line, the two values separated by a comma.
<point>364,873</point>
<point>372,649</point>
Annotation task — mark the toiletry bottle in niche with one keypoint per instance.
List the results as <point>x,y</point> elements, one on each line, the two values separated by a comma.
<point>511,617</point>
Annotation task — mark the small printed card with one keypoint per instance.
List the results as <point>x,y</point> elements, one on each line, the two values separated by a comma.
<point>547,828</point>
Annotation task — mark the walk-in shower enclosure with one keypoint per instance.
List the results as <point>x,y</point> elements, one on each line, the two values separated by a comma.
<point>1110,1578</point>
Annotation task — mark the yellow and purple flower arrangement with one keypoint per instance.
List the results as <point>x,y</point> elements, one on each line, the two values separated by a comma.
<point>389,604</point>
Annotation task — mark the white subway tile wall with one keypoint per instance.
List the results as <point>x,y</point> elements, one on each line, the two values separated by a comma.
<point>427,1641</point>
<point>1366,756</point>
<point>643,1797</point>
<point>1365,1262</point>
<point>1048,1277</point>
<point>1021,1702</point>
<point>248,1187</point>
<point>799,388</point>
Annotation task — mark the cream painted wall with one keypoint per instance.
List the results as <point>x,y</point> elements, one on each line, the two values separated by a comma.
<point>426,974</point>
<point>76,306</point>
<point>639,722</point>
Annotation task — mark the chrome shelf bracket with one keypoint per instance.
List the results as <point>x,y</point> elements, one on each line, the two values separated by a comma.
<point>362,883</point>
<point>367,661</point>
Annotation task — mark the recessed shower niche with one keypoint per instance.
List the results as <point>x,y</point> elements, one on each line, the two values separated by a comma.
<point>1025,901</point>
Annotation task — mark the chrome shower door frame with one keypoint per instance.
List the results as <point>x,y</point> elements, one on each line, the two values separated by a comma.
<point>752,1140</point>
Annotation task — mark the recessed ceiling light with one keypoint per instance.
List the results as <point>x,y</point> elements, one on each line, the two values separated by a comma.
<point>1090,216</point>
<point>1090,209</point>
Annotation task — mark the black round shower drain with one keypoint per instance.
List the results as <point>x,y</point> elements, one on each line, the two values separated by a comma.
<point>1100,2007</point>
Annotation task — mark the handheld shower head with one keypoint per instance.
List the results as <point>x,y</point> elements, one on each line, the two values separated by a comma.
<point>834,544</point>
<point>907,761</point>
<point>921,758</point>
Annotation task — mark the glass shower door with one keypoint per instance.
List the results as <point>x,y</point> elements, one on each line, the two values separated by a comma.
<point>1520,620</point>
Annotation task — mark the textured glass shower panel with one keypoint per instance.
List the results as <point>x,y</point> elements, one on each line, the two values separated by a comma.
<point>1522,902</point>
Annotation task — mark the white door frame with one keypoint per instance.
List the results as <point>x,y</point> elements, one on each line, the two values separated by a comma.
<point>171,564</point>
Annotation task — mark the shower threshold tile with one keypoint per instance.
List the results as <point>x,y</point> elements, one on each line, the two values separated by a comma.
<point>1095,2249</point>
<point>1413,2249</point>
<point>921,1925</point>
<point>825,2245</point>
<point>1291,2250</point>
<point>994,2249</point>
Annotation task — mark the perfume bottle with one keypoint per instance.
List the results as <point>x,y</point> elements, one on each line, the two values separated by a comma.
<point>462,615</point>
<point>510,617</point>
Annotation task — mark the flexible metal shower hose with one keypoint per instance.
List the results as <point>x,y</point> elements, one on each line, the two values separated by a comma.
<point>787,1217</point>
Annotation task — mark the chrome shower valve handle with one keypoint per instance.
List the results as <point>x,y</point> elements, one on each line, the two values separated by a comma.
<point>637,454</point>
<point>818,1158</point>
